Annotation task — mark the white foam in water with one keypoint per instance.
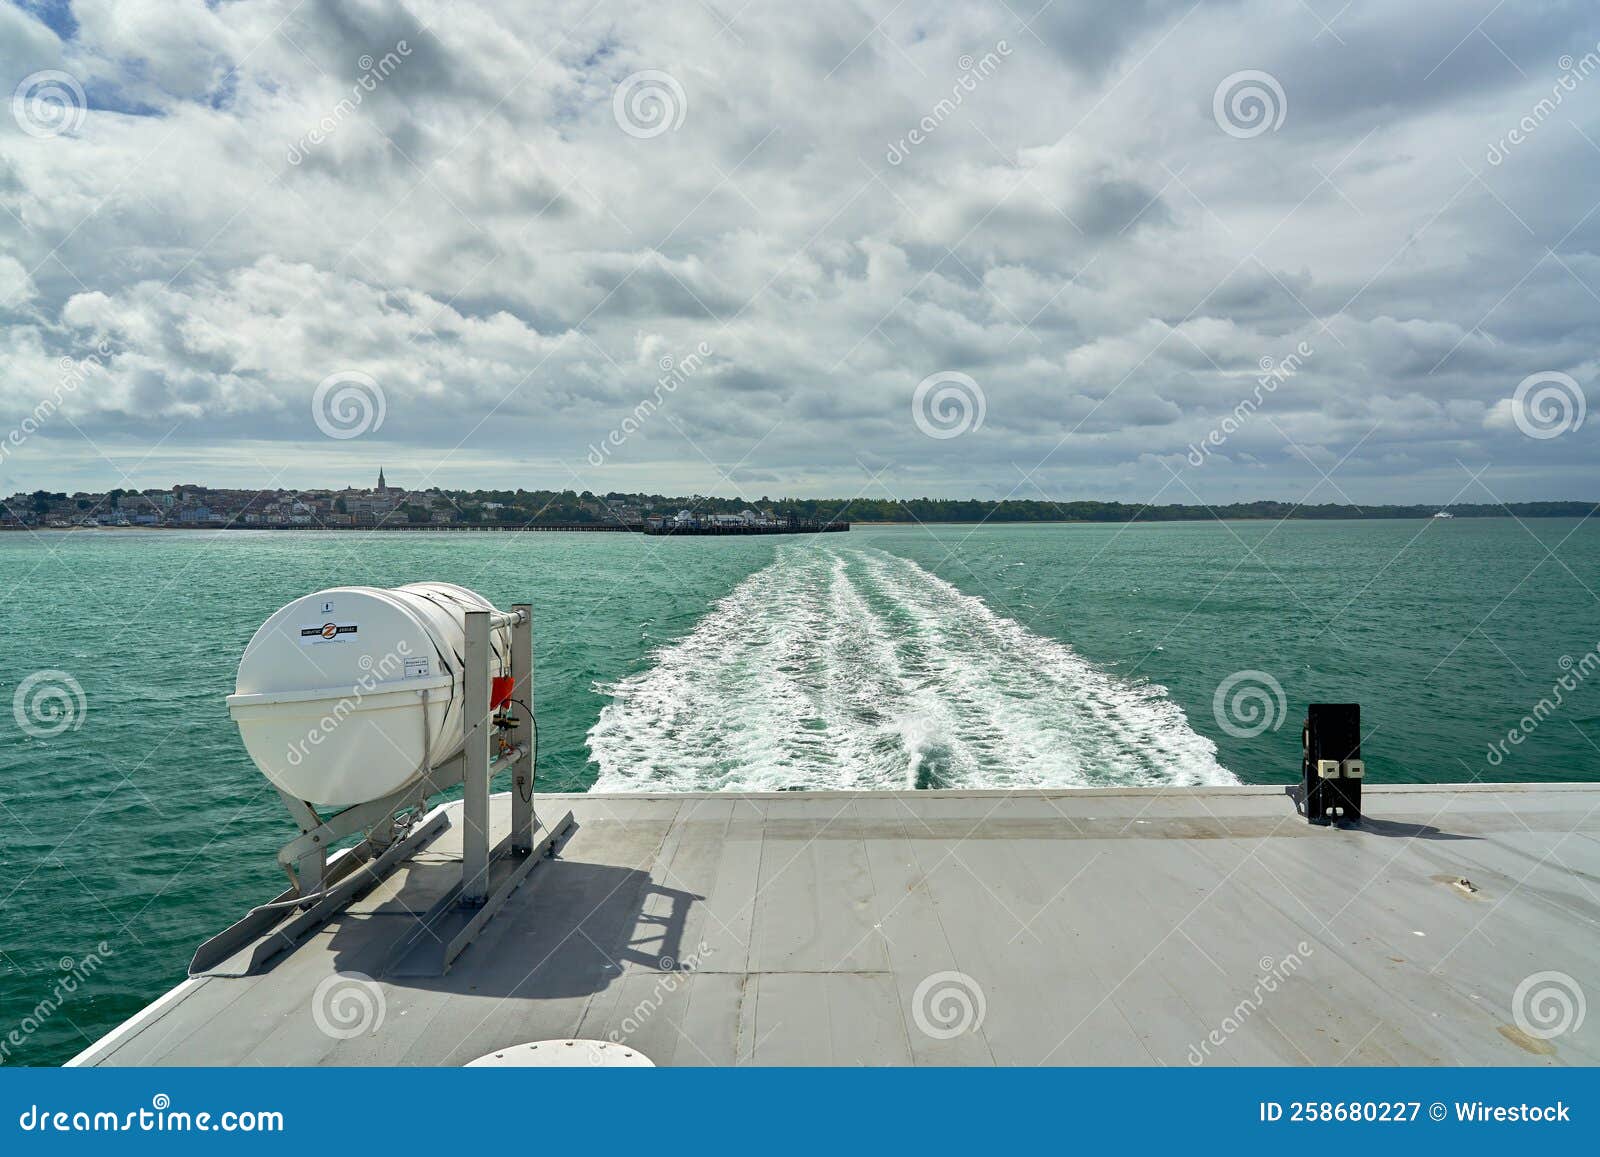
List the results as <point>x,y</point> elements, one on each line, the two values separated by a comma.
<point>841,668</point>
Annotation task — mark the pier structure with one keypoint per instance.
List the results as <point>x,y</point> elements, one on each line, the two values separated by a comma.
<point>725,528</point>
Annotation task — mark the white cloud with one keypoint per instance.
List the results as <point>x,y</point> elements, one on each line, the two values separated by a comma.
<point>245,211</point>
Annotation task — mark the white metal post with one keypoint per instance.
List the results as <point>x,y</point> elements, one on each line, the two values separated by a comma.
<point>523,821</point>
<point>475,785</point>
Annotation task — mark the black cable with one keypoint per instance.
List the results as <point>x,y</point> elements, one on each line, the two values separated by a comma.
<point>533,724</point>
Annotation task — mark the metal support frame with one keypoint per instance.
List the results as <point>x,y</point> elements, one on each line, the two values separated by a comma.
<point>305,858</point>
<point>523,820</point>
<point>475,782</point>
<point>246,947</point>
<point>450,926</point>
<point>481,736</point>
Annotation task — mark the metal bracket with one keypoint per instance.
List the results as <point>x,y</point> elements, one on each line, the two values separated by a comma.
<point>451,925</point>
<point>274,928</point>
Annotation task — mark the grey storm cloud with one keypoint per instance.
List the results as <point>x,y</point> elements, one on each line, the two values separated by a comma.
<point>520,224</point>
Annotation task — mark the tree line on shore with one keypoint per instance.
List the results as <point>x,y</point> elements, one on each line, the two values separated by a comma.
<point>567,506</point>
<point>551,507</point>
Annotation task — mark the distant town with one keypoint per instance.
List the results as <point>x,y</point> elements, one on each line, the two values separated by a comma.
<point>386,506</point>
<point>383,506</point>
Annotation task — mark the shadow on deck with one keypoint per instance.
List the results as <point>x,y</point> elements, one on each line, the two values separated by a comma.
<point>570,931</point>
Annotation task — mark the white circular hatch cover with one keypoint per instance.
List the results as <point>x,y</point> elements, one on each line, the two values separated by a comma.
<point>564,1054</point>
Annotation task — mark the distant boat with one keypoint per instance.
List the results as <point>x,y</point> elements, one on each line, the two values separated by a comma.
<point>1444,514</point>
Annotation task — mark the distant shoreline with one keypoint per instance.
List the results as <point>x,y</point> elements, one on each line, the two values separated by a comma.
<point>612,528</point>
<point>392,508</point>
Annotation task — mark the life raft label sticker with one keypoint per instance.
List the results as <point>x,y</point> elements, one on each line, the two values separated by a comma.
<point>417,668</point>
<point>329,632</point>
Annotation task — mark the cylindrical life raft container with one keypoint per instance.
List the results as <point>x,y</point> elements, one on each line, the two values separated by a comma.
<point>330,697</point>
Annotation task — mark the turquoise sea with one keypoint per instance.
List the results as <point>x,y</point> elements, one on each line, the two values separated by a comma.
<point>889,657</point>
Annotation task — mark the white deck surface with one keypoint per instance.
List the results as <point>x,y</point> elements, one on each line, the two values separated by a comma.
<point>1088,927</point>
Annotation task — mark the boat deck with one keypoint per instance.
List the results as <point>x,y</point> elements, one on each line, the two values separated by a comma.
<point>1016,928</point>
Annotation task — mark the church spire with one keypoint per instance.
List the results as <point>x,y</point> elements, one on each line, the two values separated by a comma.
<point>381,485</point>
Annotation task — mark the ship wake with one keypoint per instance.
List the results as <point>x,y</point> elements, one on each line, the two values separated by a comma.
<point>855,669</point>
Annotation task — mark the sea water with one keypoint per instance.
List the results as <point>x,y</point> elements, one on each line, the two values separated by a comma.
<point>891,657</point>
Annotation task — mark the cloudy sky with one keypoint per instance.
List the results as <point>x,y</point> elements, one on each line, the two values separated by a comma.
<point>262,242</point>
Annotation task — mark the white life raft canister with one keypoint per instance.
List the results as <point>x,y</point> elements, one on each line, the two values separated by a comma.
<point>329,699</point>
